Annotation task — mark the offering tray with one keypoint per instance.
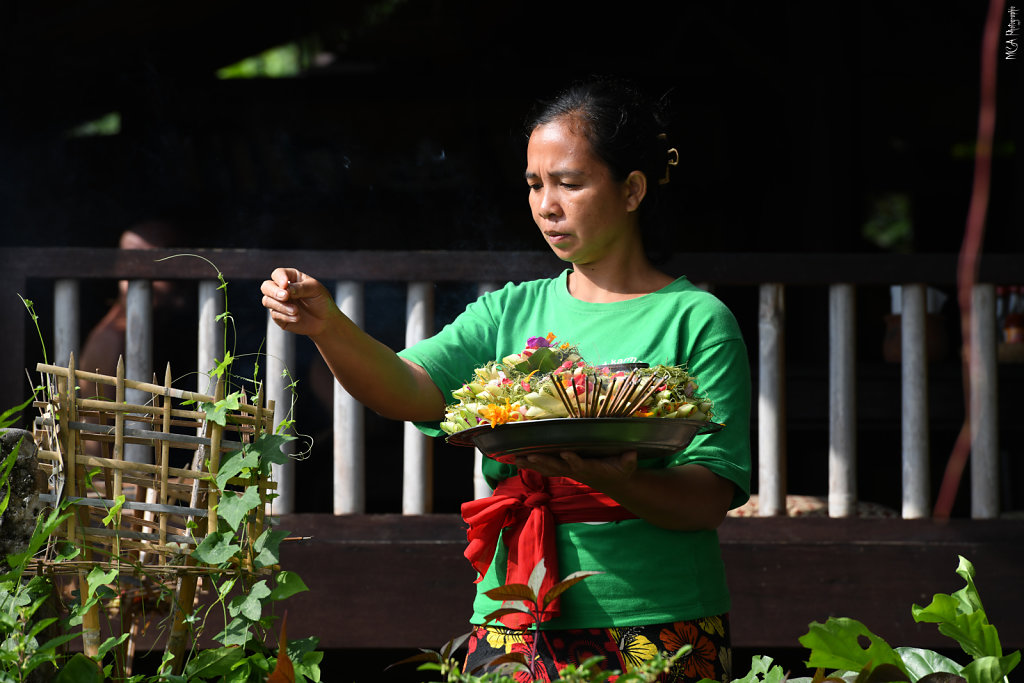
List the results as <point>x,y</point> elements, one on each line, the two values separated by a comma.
<point>589,437</point>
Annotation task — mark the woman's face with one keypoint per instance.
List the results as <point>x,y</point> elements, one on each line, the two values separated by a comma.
<point>582,211</point>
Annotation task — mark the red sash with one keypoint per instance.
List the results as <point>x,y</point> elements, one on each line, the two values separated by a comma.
<point>529,506</point>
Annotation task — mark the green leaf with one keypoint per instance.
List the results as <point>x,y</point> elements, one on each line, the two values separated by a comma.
<point>233,507</point>
<point>235,633</point>
<point>36,660</point>
<point>762,666</point>
<point>287,585</point>
<point>66,551</point>
<point>5,470</point>
<point>267,548</point>
<point>80,669</point>
<point>222,366</point>
<point>240,674</point>
<point>235,463</point>
<point>836,644</point>
<point>218,412</point>
<point>991,669</point>
<point>110,643</point>
<point>38,626</point>
<point>11,415</point>
<point>216,548</point>
<point>920,662</point>
<point>115,510</point>
<point>270,449</point>
<point>51,645</point>
<point>305,659</point>
<point>258,662</point>
<point>961,617</point>
<point>543,360</point>
<point>249,604</point>
<point>97,577</point>
<point>217,662</point>
<point>45,527</point>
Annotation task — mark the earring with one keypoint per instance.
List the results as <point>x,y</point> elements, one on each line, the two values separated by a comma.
<point>673,160</point>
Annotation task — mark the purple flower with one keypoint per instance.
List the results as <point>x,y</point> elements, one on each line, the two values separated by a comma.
<point>537,343</point>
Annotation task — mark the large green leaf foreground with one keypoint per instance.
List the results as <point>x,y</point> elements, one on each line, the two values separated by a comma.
<point>844,649</point>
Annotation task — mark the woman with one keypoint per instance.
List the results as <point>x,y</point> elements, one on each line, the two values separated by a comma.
<point>595,162</point>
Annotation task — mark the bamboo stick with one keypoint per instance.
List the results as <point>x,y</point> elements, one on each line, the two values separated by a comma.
<point>170,572</point>
<point>165,457</point>
<point>121,466</point>
<point>153,414</point>
<point>128,505</point>
<point>148,437</point>
<point>91,619</point>
<point>184,599</point>
<point>595,392</point>
<point>261,510</point>
<point>148,387</point>
<point>563,395</point>
<point>98,405</point>
<point>215,444</point>
<point>95,515</point>
<point>137,536</point>
<point>625,390</point>
<point>119,429</point>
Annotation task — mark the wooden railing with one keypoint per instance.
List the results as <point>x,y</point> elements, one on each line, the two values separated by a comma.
<point>62,269</point>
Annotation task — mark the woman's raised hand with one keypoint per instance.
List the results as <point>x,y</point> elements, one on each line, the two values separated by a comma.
<point>297,302</point>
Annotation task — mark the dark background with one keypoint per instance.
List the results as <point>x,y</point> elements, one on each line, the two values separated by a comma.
<point>405,131</point>
<point>793,120</point>
<point>791,117</point>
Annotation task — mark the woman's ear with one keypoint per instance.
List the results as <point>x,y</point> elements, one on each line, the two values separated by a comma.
<point>636,189</point>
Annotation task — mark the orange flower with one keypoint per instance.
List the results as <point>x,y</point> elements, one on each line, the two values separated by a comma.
<point>700,662</point>
<point>498,414</point>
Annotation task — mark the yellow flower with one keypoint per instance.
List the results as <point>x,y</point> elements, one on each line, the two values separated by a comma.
<point>635,648</point>
<point>503,638</point>
<point>712,625</point>
<point>498,414</point>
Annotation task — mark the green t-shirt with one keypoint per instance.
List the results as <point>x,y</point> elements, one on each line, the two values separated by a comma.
<point>649,574</point>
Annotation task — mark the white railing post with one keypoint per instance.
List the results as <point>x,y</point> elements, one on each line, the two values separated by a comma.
<point>138,362</point>
<point>281,357</point>
<point>771,407</point>
<point>842,451</point>
<point>349,425</point>
<point>914,381</point>
<point>984,406</point>
<point>210,344</point>
<point>417,471</point>
<point>66,321</point>
<point>481,489</point>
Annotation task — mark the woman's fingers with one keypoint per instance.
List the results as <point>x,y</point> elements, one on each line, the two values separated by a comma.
<point>296,301</point>
<point>595,472</point>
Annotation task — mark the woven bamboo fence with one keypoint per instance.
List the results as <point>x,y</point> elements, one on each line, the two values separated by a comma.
<point>142,518</point>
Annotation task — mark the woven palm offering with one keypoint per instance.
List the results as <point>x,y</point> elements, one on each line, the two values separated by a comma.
<point>571,404</point>
<point>146,474</point>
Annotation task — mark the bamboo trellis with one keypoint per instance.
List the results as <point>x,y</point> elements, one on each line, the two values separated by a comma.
<point>139,518</point>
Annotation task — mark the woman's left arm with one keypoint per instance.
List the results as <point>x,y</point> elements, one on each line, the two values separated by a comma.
<point>686,497</point>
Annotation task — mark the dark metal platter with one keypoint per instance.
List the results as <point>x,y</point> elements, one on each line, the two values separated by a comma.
<point>590,437</point>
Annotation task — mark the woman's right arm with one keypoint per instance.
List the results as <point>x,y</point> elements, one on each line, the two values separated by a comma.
<point>370,371</point>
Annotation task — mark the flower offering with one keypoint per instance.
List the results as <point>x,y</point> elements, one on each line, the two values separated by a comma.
<point>548,380</point>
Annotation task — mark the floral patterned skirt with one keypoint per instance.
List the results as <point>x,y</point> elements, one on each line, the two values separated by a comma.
<point>623,649</point>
